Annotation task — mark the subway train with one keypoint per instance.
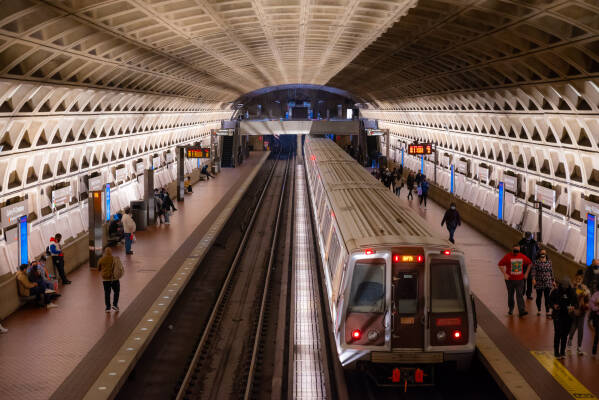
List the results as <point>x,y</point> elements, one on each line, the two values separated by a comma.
<point>399,296</point>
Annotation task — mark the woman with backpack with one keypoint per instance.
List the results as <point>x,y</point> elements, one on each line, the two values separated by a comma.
<point>112,270</point>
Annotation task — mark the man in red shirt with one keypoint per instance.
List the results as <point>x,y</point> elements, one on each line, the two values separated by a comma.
<point>515,267</point>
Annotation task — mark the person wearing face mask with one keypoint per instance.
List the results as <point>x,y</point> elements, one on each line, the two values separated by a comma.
<point>452,220</point>
<point>580,310</point>
<point>562,300</point>
<point>530,248</point>
<point>515,267</point>
<point>542,279</point>
<point>591,275</point>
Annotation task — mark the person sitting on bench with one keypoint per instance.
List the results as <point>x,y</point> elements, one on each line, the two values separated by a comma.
<point>115,230</point>
<point>27,288</point>
<point>187,185</point>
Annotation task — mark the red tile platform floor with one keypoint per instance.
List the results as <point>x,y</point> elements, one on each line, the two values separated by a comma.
<point>43,347</point>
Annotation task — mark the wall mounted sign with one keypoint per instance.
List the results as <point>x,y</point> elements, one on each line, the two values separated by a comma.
<point>169,157</point>
<point>95,183</point>
<point>156,162</point>
<point>139,168</point>
<point>10,214</point>
<point>545,195</point>
<point>61,196</point>
<point>510,183</point>
<point>120,174</point>
<point>462,166</point>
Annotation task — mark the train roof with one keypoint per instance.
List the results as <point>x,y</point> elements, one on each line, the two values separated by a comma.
<point>365,210</point>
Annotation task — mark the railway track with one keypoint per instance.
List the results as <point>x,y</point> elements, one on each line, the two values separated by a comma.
<point>228,358</point>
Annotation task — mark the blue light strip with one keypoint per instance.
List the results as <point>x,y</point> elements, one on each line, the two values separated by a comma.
<point>500,205</point>
<point>23,248</point>
<point>591,237</point>
<point>402,157</point>
<point>107,191</point>
<point>452,179</point>
<point>422,165</point>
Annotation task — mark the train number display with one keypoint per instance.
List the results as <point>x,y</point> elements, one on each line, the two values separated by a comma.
<point>197,152</point>
<point>420,149</point>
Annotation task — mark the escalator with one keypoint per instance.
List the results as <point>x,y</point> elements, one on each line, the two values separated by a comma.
<point>227,155</point>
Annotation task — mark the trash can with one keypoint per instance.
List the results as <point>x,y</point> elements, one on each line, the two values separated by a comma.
<point>216,167</point>
<point>139,213</point>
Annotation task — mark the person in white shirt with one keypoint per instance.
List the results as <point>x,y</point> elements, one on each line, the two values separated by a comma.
<point>128,229</point>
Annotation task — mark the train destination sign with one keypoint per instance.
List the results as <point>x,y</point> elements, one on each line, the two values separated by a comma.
<point>197,152</point>
<point>420,149</point>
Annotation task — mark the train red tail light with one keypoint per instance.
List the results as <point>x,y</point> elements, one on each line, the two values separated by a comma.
<point>396,258</point>
<point>369,252</point>
<point>456,335</point>
<point>419,376</point>
<point>419,259</point>
<point>446,252</point>
<point>356,334</point>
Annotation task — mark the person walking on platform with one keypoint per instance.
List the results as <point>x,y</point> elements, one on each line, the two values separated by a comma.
<point>158,207</point>
<point>410,182</point>
<point>55,250</point>
<point>594,318</point>
<point>563,300</point>
<point>424,186</point>
<point>418,178</point>
<point>530,248</point>
<point>543,280</point>
<point>168,202</point>
<point>591,275</point>
<point>205,172</point>
<point>398,183</point>
<point>452,220</point>
<point>515,267</point>
<point>583,296</point>
<point>111,269</point>
<point>129,229</point>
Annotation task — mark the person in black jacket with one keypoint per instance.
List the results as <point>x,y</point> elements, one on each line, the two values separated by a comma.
<point>562,300</point>
<point>591,275</point>
<point>530,248</point>
<point>452,220</point>
<point>410,182</point>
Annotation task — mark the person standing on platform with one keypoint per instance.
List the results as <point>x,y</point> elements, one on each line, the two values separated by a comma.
<point>583,296</point>
<point>398,183</point>
<point>205,172</point>
<point>424,186</point>
<point>530,248</point>
<point>111,269</point>
<point>515,267</point>
<point>55,250</point>
<point>410,182</point>
<point>418,178</point>
<point>452,220</point>
<point>543,280</point>
<point>591,275</point>
<point>563,300</point>
<point>168,202</point>
<point>129,229</point>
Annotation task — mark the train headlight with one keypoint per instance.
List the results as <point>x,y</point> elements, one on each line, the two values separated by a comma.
<point>441,335</point>
<point>373,335</point>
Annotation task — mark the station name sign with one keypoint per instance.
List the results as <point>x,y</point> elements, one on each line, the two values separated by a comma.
<point>10,214</point>
<point>197,152</point>
<point>420,149</point>
<point>375,132</point>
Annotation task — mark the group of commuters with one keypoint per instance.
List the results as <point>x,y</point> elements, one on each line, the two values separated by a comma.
<point>163,205</point>
<point>33,279</point>
<point>395,182</point>
<point>567,303</point>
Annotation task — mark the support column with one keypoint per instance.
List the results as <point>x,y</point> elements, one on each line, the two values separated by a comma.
<point>149,195</point>
<point>180,173</point>
<point>96,232</point>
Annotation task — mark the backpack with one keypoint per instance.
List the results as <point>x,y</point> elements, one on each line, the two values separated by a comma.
<point>48,251</point>
<point>117,269</point>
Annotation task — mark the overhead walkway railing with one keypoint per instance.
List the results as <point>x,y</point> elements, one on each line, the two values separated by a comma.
<point>303,127</point>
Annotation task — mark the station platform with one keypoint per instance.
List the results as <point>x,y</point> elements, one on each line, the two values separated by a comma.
<point>59,353</point>
<point>526,342</point>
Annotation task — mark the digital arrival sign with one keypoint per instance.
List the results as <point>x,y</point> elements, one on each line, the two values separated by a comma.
<point>197,152</point>
<point>420,149</point>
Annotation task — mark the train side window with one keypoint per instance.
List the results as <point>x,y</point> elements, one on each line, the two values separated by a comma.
<point>368,288</point>
<point>406,293</point>
<point>447,290</point>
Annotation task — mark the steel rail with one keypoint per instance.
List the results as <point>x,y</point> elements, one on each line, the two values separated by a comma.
<point>252,368</point>
<point>219,301</point>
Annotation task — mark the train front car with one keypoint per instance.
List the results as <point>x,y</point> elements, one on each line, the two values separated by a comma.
<point>399,296</point>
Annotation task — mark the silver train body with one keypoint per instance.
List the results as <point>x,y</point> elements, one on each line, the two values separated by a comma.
<point>399,296</point>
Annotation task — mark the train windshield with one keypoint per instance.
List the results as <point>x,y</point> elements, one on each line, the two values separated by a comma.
<point>447,292</point>
<point>368,288</point>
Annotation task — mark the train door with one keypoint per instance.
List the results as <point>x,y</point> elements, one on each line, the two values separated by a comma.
<point>408,300</point>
